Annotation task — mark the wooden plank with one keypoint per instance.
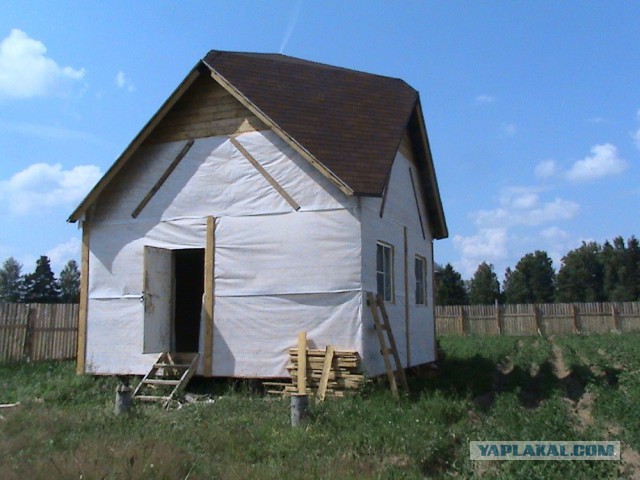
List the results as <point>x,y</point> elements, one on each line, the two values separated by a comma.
<point>209,295</point>
<point>384,195</point>
<point>415,197</point>
<point>214,129</point>
<point>84,300</point>
<point>302,363</point>
<point>332,177</point>
<point>406,297</point>
<point>265,174</point>
<point>172,166</point>
<point>326,369</point>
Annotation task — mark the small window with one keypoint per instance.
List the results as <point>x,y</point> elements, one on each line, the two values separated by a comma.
<point>421,280</point>
<point>384,271</point>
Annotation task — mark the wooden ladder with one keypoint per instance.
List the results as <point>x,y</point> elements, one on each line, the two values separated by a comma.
<point>381,323</point>
<point>169,375</point>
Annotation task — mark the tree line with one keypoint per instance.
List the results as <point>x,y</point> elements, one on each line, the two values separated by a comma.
<point>40,286</point>
<point>589,273</point>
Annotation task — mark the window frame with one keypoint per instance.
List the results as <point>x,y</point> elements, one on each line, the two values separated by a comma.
<point>386,275</point>
<point>423,280</point>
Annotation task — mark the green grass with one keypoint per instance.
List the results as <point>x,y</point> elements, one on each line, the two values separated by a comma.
<point>65,426</point>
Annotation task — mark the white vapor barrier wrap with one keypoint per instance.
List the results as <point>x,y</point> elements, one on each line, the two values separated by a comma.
<point>400,210</point>
<point>214,178</point>
<point>277,271</point>
<point>309,252</point>
<point>252,335</point>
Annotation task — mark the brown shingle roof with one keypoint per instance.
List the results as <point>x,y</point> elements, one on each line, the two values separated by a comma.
<point>351,122</point>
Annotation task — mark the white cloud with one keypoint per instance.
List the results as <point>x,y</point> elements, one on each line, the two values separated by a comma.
<point>546,169</point>
<point>43,185</point>
<point>636,138</point>
<point>488,245</point>
<point>554,234</point>
<point>62,253</point>
<point>123,82</point>
<point>26,71</point>
<point>604,161</point>
<point>522,206</point>
<point>484,99</point>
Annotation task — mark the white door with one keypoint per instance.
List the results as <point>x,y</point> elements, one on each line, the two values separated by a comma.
<point>158,299</point>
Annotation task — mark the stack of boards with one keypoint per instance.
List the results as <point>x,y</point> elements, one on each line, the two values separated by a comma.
<point>343,375</point>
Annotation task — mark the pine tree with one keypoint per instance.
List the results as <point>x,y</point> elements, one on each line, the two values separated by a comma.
<point>11,281</point>
<point>451,289</point>
<point>41,285</point>
<point>70,283</point>
<point>484,288</point>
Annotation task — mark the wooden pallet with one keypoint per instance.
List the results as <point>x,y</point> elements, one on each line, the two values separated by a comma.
<point>387,345</point>
<point>169,375</point>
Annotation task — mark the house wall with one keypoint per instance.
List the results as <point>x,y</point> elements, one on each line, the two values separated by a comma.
<point>277,271</point>
<point>400,211</point>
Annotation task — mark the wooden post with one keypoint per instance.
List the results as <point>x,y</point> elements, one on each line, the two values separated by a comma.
<point>538,319</point>
<point>464,321</point>
<point>302,363</point>
<point>574,315</point>
<point>616,318</point>
<point>27,349</point>
<point>84,301</point>
<point>209,295</point>
<point>326,370</point>
<point>498,317</point>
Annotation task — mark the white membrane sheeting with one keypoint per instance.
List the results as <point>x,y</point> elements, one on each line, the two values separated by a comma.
<point>277,271</point>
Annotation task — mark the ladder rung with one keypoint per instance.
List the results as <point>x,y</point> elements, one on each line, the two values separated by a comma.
<point>171,365</point>
<point>154,381</point>
<point>151,398</point>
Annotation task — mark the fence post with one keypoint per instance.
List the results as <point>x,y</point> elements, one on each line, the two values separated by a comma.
<point>498,318</point>
<point>574,315</point>
<point>539,322</point>
<point>616,319</point>
<point>27,348</point>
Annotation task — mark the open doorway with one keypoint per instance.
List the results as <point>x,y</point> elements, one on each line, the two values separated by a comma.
<point>189,287</point>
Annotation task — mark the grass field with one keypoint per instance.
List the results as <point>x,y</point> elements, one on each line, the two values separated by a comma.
<point>489,388</point>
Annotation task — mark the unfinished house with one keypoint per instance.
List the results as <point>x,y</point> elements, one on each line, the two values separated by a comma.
<point>266,196</point>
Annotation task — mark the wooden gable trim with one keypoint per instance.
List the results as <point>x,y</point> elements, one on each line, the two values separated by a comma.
<point>280,132</point>
<point>134,145</point>
<point>435,212</point>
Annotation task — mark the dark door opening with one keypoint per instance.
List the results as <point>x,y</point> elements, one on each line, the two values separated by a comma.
<point>189,287</point>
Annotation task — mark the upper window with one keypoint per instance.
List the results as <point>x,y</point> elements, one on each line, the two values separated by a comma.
<point>384,271</point>
<point>421,280</point>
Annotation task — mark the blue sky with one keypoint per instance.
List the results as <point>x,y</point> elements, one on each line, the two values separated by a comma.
<point>532,108</point>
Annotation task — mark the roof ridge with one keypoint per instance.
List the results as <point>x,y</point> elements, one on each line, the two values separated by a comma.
<point>298,60</point>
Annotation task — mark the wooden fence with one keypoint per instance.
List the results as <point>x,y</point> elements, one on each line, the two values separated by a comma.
<point>543,319</point>
<point>38,331</point>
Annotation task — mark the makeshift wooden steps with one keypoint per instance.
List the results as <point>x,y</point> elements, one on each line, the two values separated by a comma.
<point>169,375</point>
<point>381,323</point>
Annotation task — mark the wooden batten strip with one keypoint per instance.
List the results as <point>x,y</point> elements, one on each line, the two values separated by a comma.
<point>265,174</point>
<point>326,369</point>
<point>384,196</point>
<point>280,132</point>
<point>172,166</point>
<point>209,295</point>
<point>84,301</point>
<point>406,296</point>
<point>415,197</point>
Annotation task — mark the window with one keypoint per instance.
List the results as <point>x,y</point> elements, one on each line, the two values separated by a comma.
<point>421,280</point>
<point>384,271</point>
